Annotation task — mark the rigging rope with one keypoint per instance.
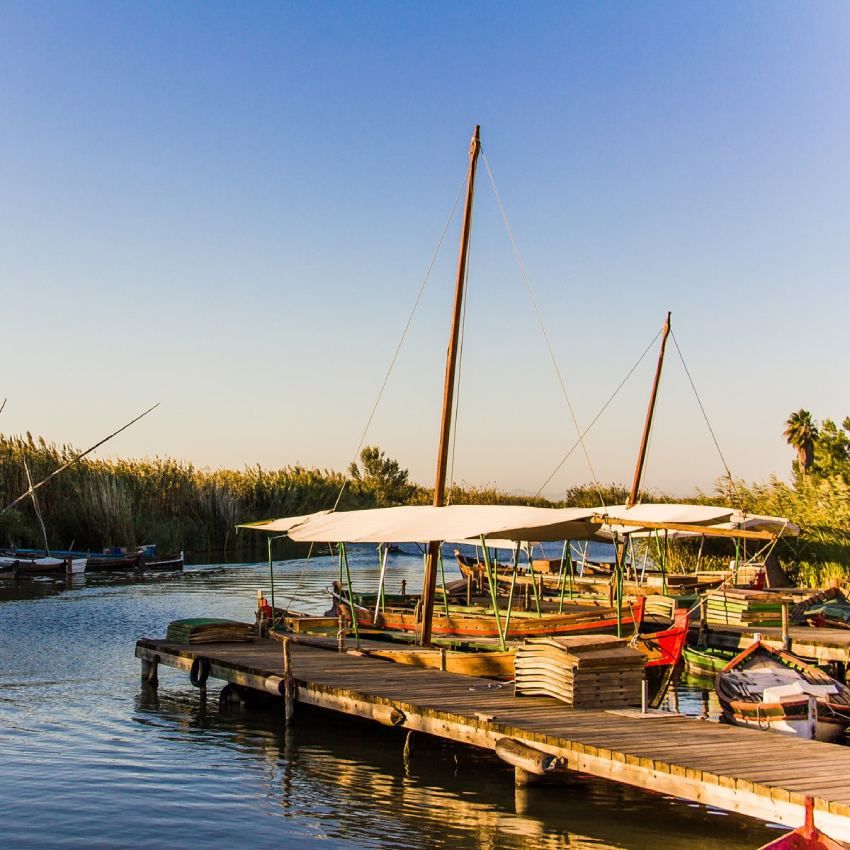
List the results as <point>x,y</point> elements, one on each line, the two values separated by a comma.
<point>403,334</point>
<point>527,282</point>
<point>599,414</point>
<point>705,416</point>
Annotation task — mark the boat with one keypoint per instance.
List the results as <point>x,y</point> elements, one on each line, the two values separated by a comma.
<point>135,561</point>
<point>706,661</point>
<point>771,689</point>
<point>805,837</point>
<point>585,617</point>
<point>21,565</point>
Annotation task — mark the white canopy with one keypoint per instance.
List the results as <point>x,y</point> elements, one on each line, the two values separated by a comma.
<point>421,523</point>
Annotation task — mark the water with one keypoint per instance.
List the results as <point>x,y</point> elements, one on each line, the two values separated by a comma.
<point>89,760</point>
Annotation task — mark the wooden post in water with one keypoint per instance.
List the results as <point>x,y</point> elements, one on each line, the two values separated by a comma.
<point>786,635</point>
<point>430,581</point>
<point>288,682</point>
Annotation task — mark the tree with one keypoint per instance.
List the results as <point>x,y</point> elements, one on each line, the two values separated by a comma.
<point>383,476</point>
<point>801,432</point>
<point>832,450</point>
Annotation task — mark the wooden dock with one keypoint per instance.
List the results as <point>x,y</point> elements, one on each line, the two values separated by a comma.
<point>824,645</point>
<point>750,772</point>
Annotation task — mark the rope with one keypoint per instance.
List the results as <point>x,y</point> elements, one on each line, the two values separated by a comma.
<point>527,282</point>
<point>598,415</point>
<point>403,335</point>
<point>705,416</point>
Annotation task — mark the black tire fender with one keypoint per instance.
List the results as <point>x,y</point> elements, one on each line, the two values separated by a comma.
<point>200,671</point>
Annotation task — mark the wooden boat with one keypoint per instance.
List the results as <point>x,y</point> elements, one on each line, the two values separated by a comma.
<point>135,561</point>
<point>706,661</point>
<point>663,651</point>
<point>474,622</point>
<point>23,566</point>
<point>806,837</point>
<point>771,689</point>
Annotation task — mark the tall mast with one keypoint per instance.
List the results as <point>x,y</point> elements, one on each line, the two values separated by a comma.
<point>644,442</point>
<point>431,560</point>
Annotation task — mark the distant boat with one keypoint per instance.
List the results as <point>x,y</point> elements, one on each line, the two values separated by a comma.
<point>770,689</point>
<point>23,565</point>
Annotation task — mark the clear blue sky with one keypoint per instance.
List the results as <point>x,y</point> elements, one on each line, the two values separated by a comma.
<point>230,207</point>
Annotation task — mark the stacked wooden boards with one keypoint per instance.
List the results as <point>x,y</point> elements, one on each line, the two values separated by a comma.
<point>209,630</point>
<point>590,671</point>
<point>734,606</point>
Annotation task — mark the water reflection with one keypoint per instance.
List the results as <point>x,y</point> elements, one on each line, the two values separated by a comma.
<point>131,767</point>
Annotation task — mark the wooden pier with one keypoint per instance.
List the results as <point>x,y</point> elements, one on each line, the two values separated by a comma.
<point>750,772</point>
<point>824,645</point>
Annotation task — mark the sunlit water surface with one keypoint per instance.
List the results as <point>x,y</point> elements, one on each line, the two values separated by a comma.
<point>89,760</point>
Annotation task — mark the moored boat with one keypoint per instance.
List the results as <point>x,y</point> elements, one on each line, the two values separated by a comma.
<point>706,661</point>
<point>21,565</point>
<point>770,689</point>
<point>805,837</point>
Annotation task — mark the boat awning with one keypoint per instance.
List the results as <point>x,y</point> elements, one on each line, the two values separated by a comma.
<point>282,525</point>
<point>423,523</point>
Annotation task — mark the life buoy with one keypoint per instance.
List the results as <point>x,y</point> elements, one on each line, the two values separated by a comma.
<point>200,671</point>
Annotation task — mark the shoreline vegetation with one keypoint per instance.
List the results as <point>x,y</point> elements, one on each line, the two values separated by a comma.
<point>99,503</point>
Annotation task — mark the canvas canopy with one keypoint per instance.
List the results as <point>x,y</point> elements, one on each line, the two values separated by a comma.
<point>423,523</point>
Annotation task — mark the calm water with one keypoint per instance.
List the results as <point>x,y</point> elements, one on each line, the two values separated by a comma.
<point>88,760</point>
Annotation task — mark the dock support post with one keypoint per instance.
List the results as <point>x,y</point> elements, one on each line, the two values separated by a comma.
<point>288,682</point>
<point>702,640</point>
<point>340,634</point>
<point>813,718</point>
<point>644,694</point>
<point>786,637</point>
<point>150,672</point>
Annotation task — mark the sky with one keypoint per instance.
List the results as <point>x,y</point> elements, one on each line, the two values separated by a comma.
<point>230,209</point>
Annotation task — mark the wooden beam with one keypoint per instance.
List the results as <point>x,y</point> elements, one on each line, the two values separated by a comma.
<point>707,530</point>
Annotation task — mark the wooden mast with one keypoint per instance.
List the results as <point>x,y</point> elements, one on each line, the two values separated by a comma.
<point>644,442</point>
<point>431,560</point>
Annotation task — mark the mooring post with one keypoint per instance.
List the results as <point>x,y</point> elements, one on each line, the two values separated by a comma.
<point>69,565</point>
<point>813,717</point>
<point>702,639</point>
<point>150,671</point>
<point>288,682</point>
<point>340,635</point>
<point>786,636</point>
<point>644,694</point>
<point>442,658</point>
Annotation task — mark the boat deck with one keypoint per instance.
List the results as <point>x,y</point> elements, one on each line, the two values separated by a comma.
<point>751,772</point>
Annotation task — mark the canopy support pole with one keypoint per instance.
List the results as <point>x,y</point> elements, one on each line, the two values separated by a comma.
<point>491,578</point>
<point>513,585</point>
<point>443,580</point>
<point>533,576</point>
<point>351,603</point>
<point>383,554</point>
<point>271,579</point>
<point>618,567</point>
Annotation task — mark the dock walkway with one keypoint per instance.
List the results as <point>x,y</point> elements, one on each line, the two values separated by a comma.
<point>754,773</point>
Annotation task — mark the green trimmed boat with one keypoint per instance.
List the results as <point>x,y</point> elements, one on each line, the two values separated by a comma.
<point>707,661</point>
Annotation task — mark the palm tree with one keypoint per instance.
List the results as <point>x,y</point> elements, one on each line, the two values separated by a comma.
<point>801,433</point>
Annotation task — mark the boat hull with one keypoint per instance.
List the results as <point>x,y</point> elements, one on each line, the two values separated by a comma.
<point>522,624</point>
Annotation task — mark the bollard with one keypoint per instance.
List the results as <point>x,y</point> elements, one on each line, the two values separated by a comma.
<point>786,636</point>
<point>289,686</point>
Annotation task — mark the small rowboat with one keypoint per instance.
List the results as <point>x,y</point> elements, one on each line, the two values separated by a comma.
<point>770,689</point>
<point>806,837</point>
